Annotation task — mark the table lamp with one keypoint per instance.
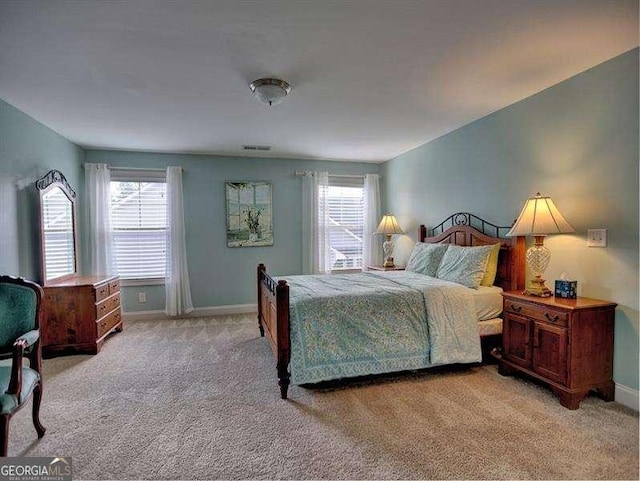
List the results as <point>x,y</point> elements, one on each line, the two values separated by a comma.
<point>539,217</point>
<point>388,226</point>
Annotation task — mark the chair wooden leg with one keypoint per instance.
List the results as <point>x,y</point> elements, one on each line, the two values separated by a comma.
<point>37,399</point>
<point>4,434</point>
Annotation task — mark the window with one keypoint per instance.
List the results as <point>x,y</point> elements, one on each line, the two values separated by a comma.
<point>346,222</point>
<point>139,223</point>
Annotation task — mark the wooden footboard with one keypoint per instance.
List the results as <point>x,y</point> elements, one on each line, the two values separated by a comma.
<point>273,319</point>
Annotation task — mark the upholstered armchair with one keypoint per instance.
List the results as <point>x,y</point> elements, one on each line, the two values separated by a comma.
<point>20,316</point>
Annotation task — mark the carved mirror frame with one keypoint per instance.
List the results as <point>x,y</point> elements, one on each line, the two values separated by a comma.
<point>46,187</point>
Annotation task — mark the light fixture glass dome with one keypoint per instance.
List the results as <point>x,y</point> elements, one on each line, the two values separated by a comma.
<point>270,91</point>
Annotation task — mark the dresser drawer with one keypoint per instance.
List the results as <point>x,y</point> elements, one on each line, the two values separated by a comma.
<point>107,323</point>
<point>539,312</point>
<point>107,305</point>
<point>114,286</point>
<point>101,291</point>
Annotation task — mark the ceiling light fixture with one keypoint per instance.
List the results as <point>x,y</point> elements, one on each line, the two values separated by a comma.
<point>270,90</point>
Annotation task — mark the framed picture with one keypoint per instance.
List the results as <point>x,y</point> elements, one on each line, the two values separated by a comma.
<point>249,214</point>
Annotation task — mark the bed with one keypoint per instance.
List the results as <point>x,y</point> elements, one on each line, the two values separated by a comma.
<point>381,322</point>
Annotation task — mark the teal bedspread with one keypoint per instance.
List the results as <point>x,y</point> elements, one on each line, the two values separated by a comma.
<point>350,325</point>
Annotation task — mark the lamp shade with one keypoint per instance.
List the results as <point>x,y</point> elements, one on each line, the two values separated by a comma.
<point>539,217</point>
<point>388,225</point>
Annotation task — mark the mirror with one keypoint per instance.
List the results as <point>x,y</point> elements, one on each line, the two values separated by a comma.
<point>57,227</point>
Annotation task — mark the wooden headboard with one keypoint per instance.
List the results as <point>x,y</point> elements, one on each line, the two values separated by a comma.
<point>466,229</point>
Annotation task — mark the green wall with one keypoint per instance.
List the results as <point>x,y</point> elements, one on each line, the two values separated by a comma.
<point>576,142</point>
<point>220,275</point>
<point>28,150</point>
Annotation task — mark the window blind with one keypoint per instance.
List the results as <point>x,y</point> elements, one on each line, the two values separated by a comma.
<point>139,225</point>
<point>138,175</point>
<point>346,223</point>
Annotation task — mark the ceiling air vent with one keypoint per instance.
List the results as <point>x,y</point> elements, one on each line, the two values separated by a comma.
<point>262,148</point>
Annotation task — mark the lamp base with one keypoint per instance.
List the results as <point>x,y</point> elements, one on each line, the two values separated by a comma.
<point>536,287</point>
<point>387,248</point>
<point>538,257</point>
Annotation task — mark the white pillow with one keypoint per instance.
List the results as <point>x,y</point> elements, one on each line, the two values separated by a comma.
<point>425,258</point>
<point>464,265</point>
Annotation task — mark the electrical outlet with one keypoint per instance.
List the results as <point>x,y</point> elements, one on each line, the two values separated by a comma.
<point>142,297</point>
<point>597,237</point>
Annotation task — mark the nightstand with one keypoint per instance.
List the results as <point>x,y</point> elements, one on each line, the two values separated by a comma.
<point>566,343</point>
<point>382,268</point>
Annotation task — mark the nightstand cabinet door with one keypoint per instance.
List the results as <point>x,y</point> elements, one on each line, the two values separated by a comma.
<point>550,352</point>
<point>517,339</point>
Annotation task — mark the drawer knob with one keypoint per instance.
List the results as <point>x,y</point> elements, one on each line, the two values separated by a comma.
<point>515,308</point>
<point>552,319</point>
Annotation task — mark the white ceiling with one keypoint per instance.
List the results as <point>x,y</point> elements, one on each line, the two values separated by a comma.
<point>371,79</point>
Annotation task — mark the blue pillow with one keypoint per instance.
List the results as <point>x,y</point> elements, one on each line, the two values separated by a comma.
<point>464,265</point>
<point>425,258</point>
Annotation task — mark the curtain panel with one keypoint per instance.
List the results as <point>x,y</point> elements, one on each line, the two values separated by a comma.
<point>98,205</point>
<point>177,288</point>
<point>315,223</point>
<point>371,246</point>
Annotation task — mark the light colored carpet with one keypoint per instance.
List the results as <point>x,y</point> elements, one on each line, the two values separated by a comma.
<point>198,399</point>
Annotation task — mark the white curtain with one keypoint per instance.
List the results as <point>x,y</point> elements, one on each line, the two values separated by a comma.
<point>316,256</point>
<point>371,248</point>
<point>98,194</point>
<point>178,292</point>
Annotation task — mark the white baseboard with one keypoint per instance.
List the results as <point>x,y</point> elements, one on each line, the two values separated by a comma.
<point>197,312</point>
<point>626,396</point>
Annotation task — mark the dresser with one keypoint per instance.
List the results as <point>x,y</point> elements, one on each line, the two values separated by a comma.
<point>566,343</point>
<point>80,313</point>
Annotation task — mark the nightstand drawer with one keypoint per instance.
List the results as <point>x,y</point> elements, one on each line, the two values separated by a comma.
<point>542,313</point>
